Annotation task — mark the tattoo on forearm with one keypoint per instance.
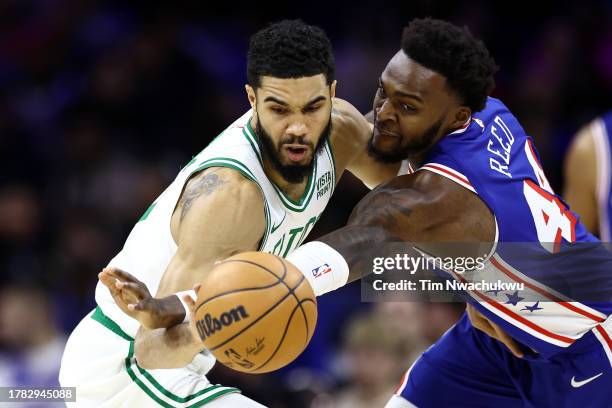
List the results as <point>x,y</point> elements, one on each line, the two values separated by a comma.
<point>200,186</point>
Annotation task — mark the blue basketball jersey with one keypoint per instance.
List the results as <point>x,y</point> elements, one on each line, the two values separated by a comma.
<point>553,255</point>
<point>601,129</point>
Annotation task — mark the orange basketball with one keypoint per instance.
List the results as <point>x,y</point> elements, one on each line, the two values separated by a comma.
<point>255,312</point>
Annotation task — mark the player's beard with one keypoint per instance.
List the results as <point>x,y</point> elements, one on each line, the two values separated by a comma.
<point>426,141</point>
<point>292,173</point>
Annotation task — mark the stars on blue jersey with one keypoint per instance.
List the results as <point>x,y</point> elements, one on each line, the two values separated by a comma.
<point>514,298</point>
<point>533,307</point>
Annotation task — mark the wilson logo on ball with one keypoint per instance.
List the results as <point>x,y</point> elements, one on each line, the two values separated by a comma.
<point>209,325</point>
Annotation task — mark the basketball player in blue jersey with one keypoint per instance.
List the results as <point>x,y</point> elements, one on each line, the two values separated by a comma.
<point>588,175</point>
<point>478,179</point>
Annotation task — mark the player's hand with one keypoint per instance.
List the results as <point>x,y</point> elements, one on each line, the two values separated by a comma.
<point>135,300</point>
<point>480,322</point>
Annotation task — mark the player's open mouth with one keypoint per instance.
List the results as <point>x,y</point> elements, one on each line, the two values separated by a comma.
<point>296,152</point>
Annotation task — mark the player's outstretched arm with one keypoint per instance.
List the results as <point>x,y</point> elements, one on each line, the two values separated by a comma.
<point>418,208</point>
<point>411,208</point>
<point>220,213</point>
<point>351,132</point>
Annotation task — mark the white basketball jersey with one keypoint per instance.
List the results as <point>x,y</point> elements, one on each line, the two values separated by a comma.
<point>150,246</point>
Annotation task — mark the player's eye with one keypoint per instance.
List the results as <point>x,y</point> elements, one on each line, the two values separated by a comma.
<point>278,110</point>
<point>312,109</point>
<point>407,108</point>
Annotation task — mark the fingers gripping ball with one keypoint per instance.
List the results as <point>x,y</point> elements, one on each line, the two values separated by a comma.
<point>255,312</point>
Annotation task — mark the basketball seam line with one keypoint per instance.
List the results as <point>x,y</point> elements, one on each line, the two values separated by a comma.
<point>280,342</point>
<point>235,291</point>
<point>292,290</point>
<point>301,308</point>
<point>279,280</point>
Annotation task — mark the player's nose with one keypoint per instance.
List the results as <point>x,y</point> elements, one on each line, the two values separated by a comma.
<point>297,129</point>
<point>385,111</point>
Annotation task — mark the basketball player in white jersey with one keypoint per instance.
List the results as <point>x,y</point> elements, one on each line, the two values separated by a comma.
<point>260,185</point>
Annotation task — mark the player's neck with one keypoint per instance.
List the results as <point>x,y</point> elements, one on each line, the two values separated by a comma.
<point>293,190</point>
<point>418,157</point>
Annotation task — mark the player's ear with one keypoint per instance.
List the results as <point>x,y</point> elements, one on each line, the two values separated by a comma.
<point>332,89</point>
<point>250,95</point>
<point>461,115</point>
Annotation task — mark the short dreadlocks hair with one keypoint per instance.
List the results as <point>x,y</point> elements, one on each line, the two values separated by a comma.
<point>289,49</point>
<point>453,52</point>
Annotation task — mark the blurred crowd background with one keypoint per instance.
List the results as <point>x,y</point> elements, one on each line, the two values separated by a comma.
<point>102,102</point>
